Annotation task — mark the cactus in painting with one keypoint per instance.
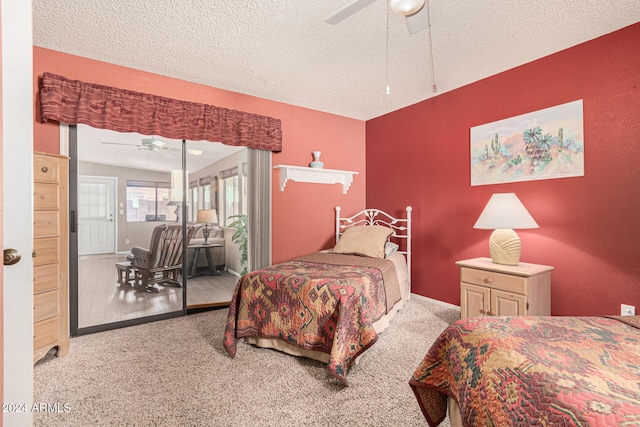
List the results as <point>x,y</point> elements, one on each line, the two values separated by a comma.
<point>560,139</point>
<point>486,151</point>
<point>495,145</point>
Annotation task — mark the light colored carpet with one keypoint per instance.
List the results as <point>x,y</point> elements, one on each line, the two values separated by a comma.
<point>176,373</point>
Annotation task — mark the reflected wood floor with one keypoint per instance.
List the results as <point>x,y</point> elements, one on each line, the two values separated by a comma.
<point>102,300</point>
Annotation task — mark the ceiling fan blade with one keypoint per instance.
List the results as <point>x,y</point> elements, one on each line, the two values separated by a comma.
<point>118,143</point>
<point>347,11</point>
<point>419,21</point>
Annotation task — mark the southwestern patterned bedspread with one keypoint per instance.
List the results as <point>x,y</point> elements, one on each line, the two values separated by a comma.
<point>522,371</point>
<point>324,302</point>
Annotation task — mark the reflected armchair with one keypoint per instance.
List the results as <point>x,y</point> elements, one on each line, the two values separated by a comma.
<point>162,262</point>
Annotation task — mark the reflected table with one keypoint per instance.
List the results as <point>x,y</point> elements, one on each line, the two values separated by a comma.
<point>212,271</point>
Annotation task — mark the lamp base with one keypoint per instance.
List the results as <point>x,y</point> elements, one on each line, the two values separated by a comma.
<point>205,233</point>
<point>504,247</point>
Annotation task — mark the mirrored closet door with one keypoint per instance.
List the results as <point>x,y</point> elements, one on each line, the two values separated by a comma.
<point>217,204</point>
<point>126,191</point>
<point>128,187</point>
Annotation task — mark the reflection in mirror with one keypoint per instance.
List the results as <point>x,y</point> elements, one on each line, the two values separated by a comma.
<point>125,190</point>
<point>218,204</point>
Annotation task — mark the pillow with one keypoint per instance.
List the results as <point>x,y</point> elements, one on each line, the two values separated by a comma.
<point>390,248</point>
<point>366,240</point>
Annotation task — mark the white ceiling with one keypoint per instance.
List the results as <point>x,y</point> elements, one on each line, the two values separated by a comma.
<point>283,50</point>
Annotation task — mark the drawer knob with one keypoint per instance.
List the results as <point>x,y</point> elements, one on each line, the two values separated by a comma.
<point>45,169</point>
<point>482,311</point>
<point>488,280</point>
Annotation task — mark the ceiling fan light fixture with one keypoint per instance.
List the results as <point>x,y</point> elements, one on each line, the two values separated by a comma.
<point>406,7</point>
<point>153,142</point>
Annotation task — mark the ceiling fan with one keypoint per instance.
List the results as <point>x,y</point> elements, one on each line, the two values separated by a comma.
<point>415,12</point>
<point>154,144</point>
<point>149,144</point>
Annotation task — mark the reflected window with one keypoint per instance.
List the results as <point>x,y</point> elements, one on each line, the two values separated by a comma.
<point>206,197</point>
<point>230,194</point>
<point>193,202</point>
<point>148,201</point>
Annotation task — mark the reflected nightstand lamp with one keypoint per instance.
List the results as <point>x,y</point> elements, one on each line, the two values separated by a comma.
<point>206,217</point>
<point>503,213</point>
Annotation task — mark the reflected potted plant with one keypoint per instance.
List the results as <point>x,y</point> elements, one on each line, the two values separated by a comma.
<point>240,238</point>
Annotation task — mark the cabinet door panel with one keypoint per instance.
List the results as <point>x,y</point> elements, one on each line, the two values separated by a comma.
<point>474,300</point>
<point>507,304</point>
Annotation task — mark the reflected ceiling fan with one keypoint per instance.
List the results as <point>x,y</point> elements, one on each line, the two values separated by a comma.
<point>149,144</point>
<point>154,144</point>
<point>415,12</point>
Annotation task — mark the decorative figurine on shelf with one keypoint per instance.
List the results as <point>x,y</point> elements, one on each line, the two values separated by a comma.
<point>316,160</point>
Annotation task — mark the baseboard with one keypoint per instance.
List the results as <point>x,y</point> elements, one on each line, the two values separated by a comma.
<point>435,301</point>
<point>234,273</point>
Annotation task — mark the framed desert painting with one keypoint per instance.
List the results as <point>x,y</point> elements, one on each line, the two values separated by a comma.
<point>544,144</point>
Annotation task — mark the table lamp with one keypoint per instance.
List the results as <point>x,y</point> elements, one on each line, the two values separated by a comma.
<point>206,217</point>
<point>503,213</point>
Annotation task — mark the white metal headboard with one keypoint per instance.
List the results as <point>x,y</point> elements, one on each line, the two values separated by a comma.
<point>401,227</point>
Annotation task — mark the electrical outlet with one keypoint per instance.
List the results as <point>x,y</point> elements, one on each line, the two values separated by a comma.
<point>126,241</point>
<point>627,310</point>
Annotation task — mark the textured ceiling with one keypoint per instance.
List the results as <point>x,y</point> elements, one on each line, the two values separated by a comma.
<point>283,50</point>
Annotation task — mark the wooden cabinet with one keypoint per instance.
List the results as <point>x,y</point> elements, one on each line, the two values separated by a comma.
<point>488,289</point>
<point>50,255</point>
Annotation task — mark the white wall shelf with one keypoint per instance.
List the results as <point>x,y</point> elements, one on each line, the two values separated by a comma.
<point>315,175</point>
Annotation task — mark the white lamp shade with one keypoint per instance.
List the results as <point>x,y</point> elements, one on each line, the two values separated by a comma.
<point>505,210</point>
<point>207,216</point>
<point>406,7</point>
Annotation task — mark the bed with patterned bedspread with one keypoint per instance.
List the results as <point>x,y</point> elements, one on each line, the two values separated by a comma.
<point>324,302</point>
<point>328,306</point>
<point>521,371</point>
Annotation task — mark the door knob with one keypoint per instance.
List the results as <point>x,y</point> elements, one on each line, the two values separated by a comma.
<point>11,256</point>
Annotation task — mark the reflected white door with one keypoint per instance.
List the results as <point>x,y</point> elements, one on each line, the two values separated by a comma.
<point>96,213</point>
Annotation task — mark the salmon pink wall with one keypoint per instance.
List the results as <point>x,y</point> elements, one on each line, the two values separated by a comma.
<point>303,218</point>
<point>589,226</point>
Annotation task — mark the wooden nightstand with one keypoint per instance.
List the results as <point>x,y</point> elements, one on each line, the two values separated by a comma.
<point>488,289</point>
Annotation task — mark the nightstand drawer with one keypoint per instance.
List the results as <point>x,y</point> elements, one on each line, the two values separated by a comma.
<point>45,305</point>
<point>493,280</point>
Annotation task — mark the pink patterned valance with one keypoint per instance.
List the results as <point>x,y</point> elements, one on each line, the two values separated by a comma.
<point>73,102</point>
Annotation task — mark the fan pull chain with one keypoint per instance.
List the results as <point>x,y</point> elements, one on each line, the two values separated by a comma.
<point>387,50</point>
<point>433,73</point>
